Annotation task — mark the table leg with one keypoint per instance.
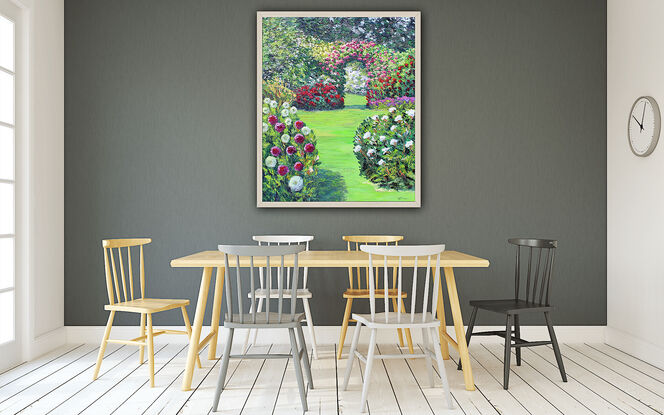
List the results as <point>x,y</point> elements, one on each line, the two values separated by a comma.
<point>195,339</point>
<point>216,312</point>
<point>458,328</point>
<point>444,346</point>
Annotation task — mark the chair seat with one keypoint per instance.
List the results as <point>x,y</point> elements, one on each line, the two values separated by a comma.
<point>380,293</point>
<point>392,322</point>
<point>261,320</point>
<point>147,305</point>
<point>274,293</point>
<point>510,306</point>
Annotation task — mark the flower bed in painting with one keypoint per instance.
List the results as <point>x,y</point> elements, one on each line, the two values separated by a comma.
<point>289,156</point>
<point>320,96</point>
<point>384,146</point>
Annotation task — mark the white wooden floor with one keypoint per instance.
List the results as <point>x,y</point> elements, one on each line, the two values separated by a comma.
<point>602,381</point>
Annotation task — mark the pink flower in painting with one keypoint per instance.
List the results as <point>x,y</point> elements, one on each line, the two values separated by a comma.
<point>280,127</point>
<point>272,119</point>
<point>282,170</point>
<point>299,138</point>
<point>275,151</point>
<point>298,166</point>
<point>290,150</point>
<point>309,148</point>
<point>299,124</point>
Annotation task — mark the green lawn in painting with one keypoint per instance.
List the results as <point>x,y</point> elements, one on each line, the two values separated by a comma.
<point>335,130</point>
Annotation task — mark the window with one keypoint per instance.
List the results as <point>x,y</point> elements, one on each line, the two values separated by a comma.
<point>7,183</point>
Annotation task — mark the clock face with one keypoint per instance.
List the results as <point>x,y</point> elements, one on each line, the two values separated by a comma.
<point>644,126</point>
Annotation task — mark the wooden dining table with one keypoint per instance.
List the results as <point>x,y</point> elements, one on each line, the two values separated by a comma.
<point>209,260</point>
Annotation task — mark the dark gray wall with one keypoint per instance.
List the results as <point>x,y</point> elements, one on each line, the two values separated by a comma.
<point>160,142</point>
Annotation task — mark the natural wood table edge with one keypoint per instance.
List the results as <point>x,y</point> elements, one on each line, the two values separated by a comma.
<point>327,258</point>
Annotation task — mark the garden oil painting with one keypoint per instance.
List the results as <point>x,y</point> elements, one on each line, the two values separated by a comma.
<point>338,109</point>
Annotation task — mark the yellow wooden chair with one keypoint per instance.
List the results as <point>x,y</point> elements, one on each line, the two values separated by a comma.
<point>143,306</point>
<point>360,290</point>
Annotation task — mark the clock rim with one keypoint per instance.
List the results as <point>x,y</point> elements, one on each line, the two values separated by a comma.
<point>657,130</point>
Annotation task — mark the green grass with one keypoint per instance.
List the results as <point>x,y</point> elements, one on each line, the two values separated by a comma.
<point>335,130</point>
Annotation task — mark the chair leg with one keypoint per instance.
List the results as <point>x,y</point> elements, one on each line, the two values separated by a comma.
<point>367,371</point>
<point>425,339</point>
<point>399,332</point>
<point>305,356</point>
<point>409,339</point>
<point>310,326</point>
<point>187,324</point>
<point>469,331</point>
<point>556,349</point>
<point>141,349</point>
<point>224,368</point>
<point>517,334</point>
<point>258,310</point>
<point>245,346</point>
<point>102,347</point>
<point>151,349</point>
<point>298,369</point>
<point>344,326</point>
<point>508,345</point>
<point>351,356</point>
<point>441,367</point>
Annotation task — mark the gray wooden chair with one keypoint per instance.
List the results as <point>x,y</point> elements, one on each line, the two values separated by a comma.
<point>426,320</point>
<point>235,318</point>
<point>536,301</point>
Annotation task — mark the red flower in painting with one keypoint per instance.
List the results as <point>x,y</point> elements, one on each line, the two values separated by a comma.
<point>299,124</point>
<point>272,119</point>
<point>282,170</point>
<point>298,166</point>
<point>309,148</point>
<point>275,151</point>
<point>299,138</point>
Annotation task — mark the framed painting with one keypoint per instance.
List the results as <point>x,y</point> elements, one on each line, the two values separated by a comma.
<point>338,109</point>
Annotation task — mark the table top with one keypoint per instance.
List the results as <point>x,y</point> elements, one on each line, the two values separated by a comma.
<point>328,259</point>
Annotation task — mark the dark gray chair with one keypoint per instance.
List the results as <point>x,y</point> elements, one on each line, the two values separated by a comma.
<point>281,319</point>
<point>537,289</point>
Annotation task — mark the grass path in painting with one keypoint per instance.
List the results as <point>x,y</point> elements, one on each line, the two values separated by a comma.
<point>335,130</point>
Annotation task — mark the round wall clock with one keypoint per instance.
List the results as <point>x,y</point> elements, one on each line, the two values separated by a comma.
<point>643,126</point>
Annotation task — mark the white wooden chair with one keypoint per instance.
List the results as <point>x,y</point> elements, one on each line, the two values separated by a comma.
<point>427,320</point>
<point>302,293</point>
<point>282,319</point>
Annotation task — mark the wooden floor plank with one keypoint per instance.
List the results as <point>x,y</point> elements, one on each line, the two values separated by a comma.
<point>636,363</point>
<point>323,399</point>
<point>170,398</point>
<point>408,392</point>
<point>596,383</point>
<point>490,387</point>
<point>23,369</point>
<point>651,399</point>
<point>103,384</point>
<point>575,389</point>
<point>11,393</point>
<point>54,382</point>
<point>276,381</point>
<point>118,394</point>
<point>648,382</point>
<point>238,387</point>
<point>381,398</point>
<point>550,390</point>
<point>467,402</point>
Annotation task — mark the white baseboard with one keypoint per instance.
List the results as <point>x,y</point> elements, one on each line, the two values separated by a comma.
<point>46,342</point>
<point>640,348</point>
<point>330,334</point>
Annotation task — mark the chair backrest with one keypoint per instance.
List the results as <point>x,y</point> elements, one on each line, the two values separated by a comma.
<point>539,274</point>
<point>270,240</point>
<point>354,242</point>
<point>417,251</point>
<point>253,251</point>
<point>113,246</point>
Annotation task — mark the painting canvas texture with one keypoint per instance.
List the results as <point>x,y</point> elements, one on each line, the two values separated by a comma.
<point>338,105</point>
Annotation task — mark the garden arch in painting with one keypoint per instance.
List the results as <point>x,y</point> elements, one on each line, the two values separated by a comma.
<point>338,109</point>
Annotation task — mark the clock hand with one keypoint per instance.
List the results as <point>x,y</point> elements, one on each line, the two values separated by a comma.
<point>637,121</point>
<point>644,113</point>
